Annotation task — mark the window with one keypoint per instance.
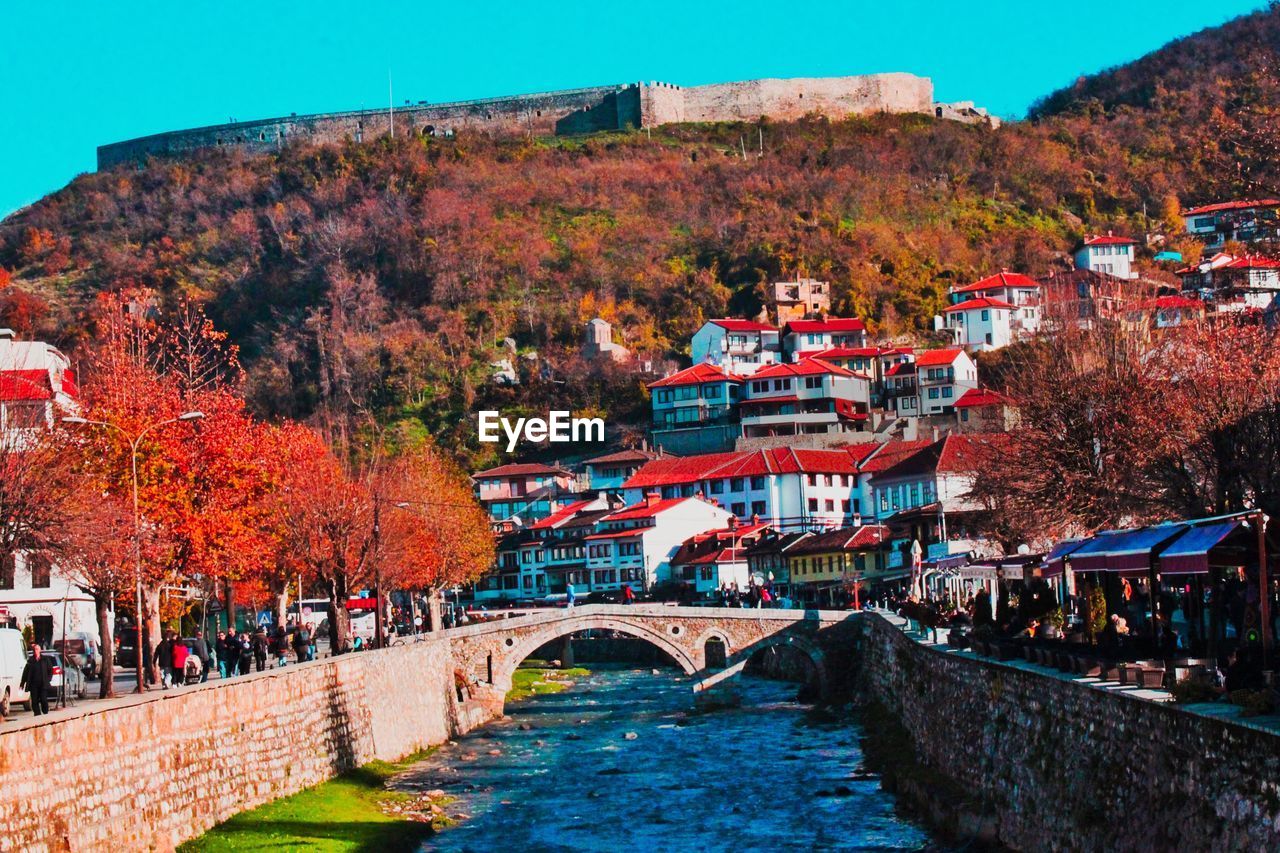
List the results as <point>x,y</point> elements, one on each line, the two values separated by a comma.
<point>809,478</point>
<point>915,495</point>
<point>757,508</point>
<point>688,392</point>
<point>717,487</point>
<point>988,337</point>
<point>7,564</point>
<point>757,483</point>
<point>964,415</point>
<point>40,566</point>
<point>830,506</point>
<point>933,393</point>
<point>813,504</point>
<point>628,549</point>
<point>813,382</point>
<point>735,484</point>
<point>760,386</point>
<point>844,507</point>
<point>782,384</point>
<point>711,392</point>
<point>738,509</point>
<point>986,315</point>
<point>947,390</point>
<point>664,395</point>
<point>599,551</point>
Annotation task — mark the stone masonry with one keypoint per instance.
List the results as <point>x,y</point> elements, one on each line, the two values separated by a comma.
<point>567,112</point>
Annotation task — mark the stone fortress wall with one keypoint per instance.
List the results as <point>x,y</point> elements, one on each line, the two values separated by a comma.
<point>567,112</point>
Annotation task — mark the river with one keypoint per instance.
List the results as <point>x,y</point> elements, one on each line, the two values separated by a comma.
<point>562,772</point>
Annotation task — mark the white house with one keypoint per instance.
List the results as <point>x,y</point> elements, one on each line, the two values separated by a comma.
<point>980,324</point>
<point>1020,291</point>
<point>1107,254</point>
<point>708,561</point>
<point>634,545</point>
<point>807,397</point>
<point>789,488</point>
<point>737,346</point>
<point>941,377</point>
<point>801,338</point>
<point>1230,283</point>
<point>36,382</point>
<point>697,395</point>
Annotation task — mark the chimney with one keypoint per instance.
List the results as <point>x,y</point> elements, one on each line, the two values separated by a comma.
<point>733,522</point>
<point>755,518</point>
<point>652,498</point>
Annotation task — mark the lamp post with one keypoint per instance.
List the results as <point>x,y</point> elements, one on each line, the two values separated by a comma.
<point>134,442</point>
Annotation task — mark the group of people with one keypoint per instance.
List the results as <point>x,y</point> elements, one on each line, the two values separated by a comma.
<point>755,595</point>
<point>233,652</point>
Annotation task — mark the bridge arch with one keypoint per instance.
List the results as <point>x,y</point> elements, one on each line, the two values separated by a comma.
<point>516,649</point>
<point>812,651</point>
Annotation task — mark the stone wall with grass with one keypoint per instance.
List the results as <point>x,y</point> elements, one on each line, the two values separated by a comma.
<point>149,772</point>
<point>1037,762</point>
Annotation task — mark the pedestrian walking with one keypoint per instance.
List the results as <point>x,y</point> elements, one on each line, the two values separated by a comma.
<point>181,651</point>
<point>244,652</point>
<point>302,643</point>
<point>200,648</point>
<point>280,646</point>
<point>36,678</point>
<point>260,645</point>
<point>568,595</point>
<point>228,653</point>
<point>164,660</point>
<point>628,595</point>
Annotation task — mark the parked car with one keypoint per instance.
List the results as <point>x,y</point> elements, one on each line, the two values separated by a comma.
<point>13,658</point>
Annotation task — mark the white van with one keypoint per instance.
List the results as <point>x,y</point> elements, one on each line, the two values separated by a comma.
<point>13,659</point>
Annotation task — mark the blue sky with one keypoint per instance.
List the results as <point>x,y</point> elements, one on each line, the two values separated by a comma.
<point>74,74</point>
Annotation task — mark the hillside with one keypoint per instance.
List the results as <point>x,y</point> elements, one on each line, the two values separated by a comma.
<point>386,275</point>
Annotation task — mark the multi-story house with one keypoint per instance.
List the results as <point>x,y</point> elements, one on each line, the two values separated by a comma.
<point>37,386</point>
<point>979,324</point>
<point>802,338</point>
<point>607,473</point>
<point>941,378</point>
<point>1233,284</point>
<point>1014,289</point>
<point>634,545</point>
<point>901,393</point>
<point>767,558</point>
<point>821,566</point>
<point>1243,221</point>
<point>811,396</point>
<point>873,362</point>
<point>789,488</point>
<point>696,396</point>
<point>1163,312</point>
<point>1083,298</point>
<point>738,346</point>
<point>795,300</point>
<point>1108,254</point>
<point>709,561</point>
<point>924,496</point>
<point>524,491</point>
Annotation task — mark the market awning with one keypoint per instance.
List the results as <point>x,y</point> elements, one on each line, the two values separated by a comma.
<point>1189,553</point>
<point>1053,561</point>
<point>1123,550</point>
<point>988,571</point>
<point>950,561</point>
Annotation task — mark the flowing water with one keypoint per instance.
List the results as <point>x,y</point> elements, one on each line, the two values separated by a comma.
<point>563,773</point>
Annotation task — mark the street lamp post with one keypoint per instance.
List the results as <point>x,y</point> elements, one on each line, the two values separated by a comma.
<point>134,442</point>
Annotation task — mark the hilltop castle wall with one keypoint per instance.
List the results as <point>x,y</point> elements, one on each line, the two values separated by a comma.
<point>568,112</point>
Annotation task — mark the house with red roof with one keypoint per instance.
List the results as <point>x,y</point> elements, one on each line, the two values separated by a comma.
<point>822,567</point>
<point>1244,220</point>
<point>985,410</point>
<point>932,384</point>
<point>517,494</point>
<point>634,546</point>
<point>739,347</point>
<point>1107,253</point>
<point>802,338</point>
<point>808,397</point>
<point>979,324</point>
<point>789,488</point>
<point>696,396</point>
<point>709,561</point>
<point>1022,295</point>
<point>37,385</point>
<point>1165,312</point>
<point>610,471</point>
<point>1233,284</point>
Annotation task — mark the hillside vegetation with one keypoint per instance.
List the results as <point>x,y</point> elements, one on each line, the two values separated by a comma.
<point>386,275</point>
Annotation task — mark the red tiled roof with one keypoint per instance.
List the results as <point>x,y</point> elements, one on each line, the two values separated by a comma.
<point>831,324</point>
<point>23,385</point>
<point>517,469</point>
<point>563,514</point>
<point>805,367</point>
<point>69,386</point>
<point>980,302</point>
<point>695,375</point>
<point>1231,205</point>
<point>844,539</point>
<point>1251,262</point>
<point>902,368</point>
<point>962,453</point>
<point>1000,279</point>
<point>1165,302</point>
<point>977,397</point>
<point>644,509</point>
<point>936,357</point>
<point>746,463</point>
<point>891,453</point>
<point>743,325</point>
<point>1108,240</point>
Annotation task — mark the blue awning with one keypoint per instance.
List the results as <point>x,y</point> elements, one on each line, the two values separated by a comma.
<point>1189,553</point>
<point>1123,550</point>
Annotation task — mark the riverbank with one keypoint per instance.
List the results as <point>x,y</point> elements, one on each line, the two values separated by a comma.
<point>353,812</point>
<point>539,678</point>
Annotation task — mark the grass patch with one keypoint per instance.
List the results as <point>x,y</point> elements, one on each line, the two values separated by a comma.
<point>536,678</point>
<point>346,813</point>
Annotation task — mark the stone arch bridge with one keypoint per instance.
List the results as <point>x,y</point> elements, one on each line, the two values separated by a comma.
<point>710,644</point>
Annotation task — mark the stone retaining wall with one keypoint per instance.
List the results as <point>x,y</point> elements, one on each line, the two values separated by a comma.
<point>150,773</point>
<point>1054,765</point>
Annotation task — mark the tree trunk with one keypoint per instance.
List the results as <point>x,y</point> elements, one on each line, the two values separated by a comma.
<point>229,597</point>
<point>339,618</point>
<point>107,672</point>
<point>153,633</point>
<point>282,606</point>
